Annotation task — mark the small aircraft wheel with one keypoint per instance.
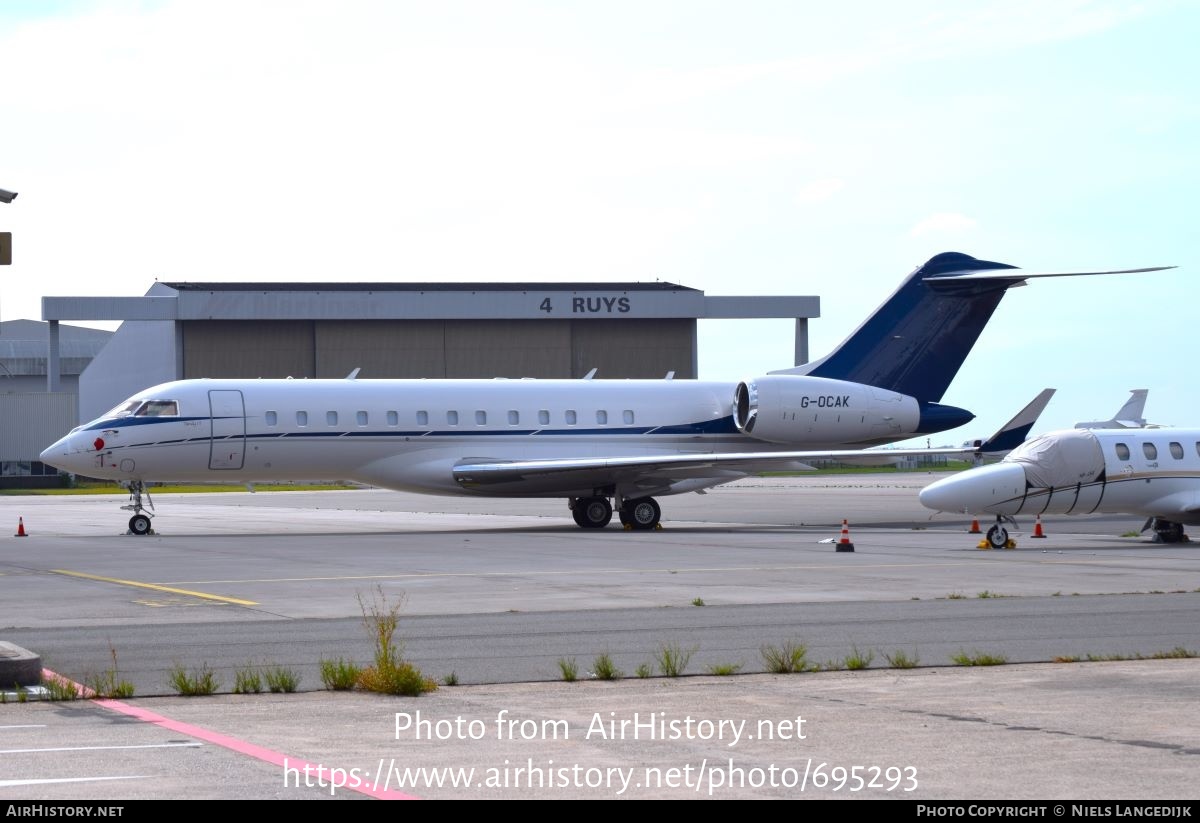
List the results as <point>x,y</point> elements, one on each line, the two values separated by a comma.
<point>593,512</point>
<point>139,524</point>
<point>643,513</point>
<point>1168,531</point>
<point>997,537</point>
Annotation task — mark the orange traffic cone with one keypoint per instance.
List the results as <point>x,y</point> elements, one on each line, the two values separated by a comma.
<point>844,545</point>
<point>20,528</point>
<point>975,527</point>
<point>1037,528</point>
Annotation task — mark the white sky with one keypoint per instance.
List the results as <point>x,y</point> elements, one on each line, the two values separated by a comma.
<point>739,148</point>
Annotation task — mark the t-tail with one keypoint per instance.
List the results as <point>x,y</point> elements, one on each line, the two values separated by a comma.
<point>916,342</point>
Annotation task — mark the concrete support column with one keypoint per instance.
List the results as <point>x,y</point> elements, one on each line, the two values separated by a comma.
<point>801,341</point>
<point>52,359</point>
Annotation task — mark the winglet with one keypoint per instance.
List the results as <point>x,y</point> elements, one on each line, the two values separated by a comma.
<point>1014,432</point>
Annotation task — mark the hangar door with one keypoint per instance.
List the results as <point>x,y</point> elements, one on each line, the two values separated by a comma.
<point>228,443</point>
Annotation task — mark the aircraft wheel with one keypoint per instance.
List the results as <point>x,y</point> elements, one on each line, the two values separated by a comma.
<point>643,513</point>
<point>997,537</point>
<point>1168,531</point>
<point>139,524</point>
<point>593,512</point>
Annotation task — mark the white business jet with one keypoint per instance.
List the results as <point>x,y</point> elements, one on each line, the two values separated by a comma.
<point>1152,472</point>
<point>604,445</point>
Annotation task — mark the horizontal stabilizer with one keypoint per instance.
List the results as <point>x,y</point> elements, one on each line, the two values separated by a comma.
<point>1017,274</point>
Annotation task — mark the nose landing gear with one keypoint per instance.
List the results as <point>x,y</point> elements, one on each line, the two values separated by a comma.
<point>139,524</point>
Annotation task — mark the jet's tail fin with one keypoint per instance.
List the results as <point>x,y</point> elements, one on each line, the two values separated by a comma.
<point>1014,432</point>
<point>917,340</point>
<point>1128,416</point>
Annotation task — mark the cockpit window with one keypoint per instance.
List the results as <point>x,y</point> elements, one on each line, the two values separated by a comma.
<point>124,410</point>
<point>158,408</point>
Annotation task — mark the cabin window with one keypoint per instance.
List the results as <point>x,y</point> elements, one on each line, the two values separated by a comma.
<point>272,418</point>
<point>361,418</point>
<point>480,418</point>
<point>159,408</point>
<point>452,418</point>
<point>544,419</point>
<point>602,417</point>
<point>514,417</point>
<point>330,418</point>
<point>393,418</point>
<point>422,418</point>
<point>1150,451</point>
<point>627,416</point>
<point>570,417</point>
<point>1177,451</point>
<point>302,418</point>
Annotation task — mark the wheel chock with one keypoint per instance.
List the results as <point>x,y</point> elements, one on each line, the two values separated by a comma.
<point>984,546</point>
<point>658,527</point>
<point>1010,544</point>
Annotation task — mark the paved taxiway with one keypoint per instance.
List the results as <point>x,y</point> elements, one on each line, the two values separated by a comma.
<point>499,591</point>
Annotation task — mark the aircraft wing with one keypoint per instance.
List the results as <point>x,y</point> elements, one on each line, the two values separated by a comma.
<point>661,469</point>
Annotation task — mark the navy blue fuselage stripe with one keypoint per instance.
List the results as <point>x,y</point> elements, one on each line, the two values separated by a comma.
<point>723,425</point>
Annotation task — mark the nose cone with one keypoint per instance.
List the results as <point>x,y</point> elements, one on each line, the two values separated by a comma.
<point>996,489</point>
<point>63,456</point>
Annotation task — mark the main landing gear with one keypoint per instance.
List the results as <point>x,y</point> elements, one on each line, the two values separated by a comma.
<point>642,513</point>
<point>1166,531</point>
<point>139,524</point>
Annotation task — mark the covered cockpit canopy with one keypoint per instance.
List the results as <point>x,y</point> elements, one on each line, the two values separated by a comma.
<point>1063,458</point>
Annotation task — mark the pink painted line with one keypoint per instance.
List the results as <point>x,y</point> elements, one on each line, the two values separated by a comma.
<point>225,741</point>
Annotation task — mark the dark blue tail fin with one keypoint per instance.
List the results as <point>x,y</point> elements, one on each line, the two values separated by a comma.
<point>916,341</point>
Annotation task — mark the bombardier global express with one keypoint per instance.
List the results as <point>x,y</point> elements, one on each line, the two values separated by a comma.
<point>604,445</point>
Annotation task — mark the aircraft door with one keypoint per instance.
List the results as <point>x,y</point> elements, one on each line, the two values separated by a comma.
<point>228,443</point>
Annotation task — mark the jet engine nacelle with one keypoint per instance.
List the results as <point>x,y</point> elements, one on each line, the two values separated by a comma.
<point>782,408</point>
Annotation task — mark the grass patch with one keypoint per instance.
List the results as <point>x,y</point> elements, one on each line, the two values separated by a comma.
<point>247,680</point>
<point>1067,658</point>
<point>1179,652</point>
<point>194,683</point>
<point>1130,533</point>
<point>856,660</point>
<point>450,679</point>
<point>390,673</point>
<point>828,666</point>
<point>900,660</point>
<point>567,669</point>
<point>109,683</point>
<point>604,668</point>
<point>785,659</point>
<point>339,675</point>
<point>643,670</point>
<point>724,669</point>
<point>58,688</point>
<point>281,679</point>
<point>956,596</point>
<point>673,659</point>
<point>698,602</point>
<point>985,594</point>
<point>978,659</point>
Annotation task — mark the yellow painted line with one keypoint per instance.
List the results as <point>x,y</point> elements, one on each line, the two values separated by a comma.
<point>157,588</point>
